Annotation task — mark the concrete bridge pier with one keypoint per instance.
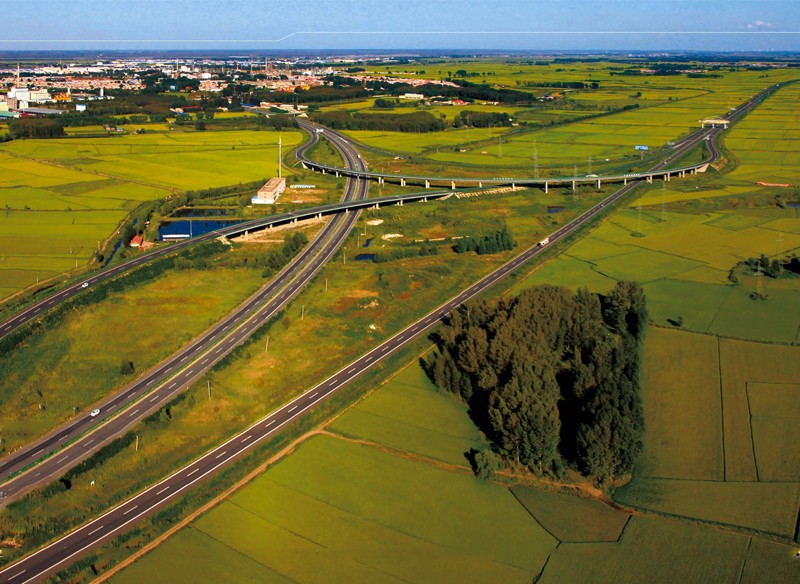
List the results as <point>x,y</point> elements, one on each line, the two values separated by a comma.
<point>452,185</point>
<point>650,178</point>
<point>545,187</point>
<point>380,180</point>
<point>624,181</point>
<point>574,184</point>
<point>424,199</point>
<point>376,206</point>
<point>480,184</point>
<point>513,186</point>
<point>598,184</point>
<point>666,177</point>
<point>294,220</point>
<point>323,170</point>
<point>337,174</point>
<point>402,182</point>
<point>427,184</point>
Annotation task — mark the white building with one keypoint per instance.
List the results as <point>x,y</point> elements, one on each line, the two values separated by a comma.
<point>269,193</point>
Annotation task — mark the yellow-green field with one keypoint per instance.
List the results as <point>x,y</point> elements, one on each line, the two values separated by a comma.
<point>721,424</point>
<point>61,198</point>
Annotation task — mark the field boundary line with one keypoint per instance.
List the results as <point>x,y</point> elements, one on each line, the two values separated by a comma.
<point>746,555</point>
<point>540,524</point>
<point>750,424</point>
<point>399,452</point>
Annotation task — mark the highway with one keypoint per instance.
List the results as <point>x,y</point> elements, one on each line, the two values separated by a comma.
<point>74,441</point>
<point>65,550</point>
<point>660,170</point>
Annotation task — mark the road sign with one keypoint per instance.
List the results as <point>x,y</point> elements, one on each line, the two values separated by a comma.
<point>639,147</point>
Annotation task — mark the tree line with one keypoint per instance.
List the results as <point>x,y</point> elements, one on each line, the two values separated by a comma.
<point>500,240</point>
<point>550,377</point>
<point>412,122</point>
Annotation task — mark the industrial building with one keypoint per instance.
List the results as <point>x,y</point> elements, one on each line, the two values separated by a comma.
<point>269,193</point>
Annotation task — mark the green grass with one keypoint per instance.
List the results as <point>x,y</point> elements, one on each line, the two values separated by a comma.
<point>572,519</point>
<point>339,512</point>
<point>77,362</point>
<point>410,414</point>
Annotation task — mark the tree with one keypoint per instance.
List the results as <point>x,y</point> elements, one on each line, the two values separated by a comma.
<point>550,377</point>
<point>126,367</point>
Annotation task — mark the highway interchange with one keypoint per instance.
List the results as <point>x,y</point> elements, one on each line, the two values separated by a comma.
<point>62,552</point>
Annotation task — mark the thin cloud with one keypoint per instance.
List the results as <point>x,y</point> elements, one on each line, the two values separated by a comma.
<point>758,25</point>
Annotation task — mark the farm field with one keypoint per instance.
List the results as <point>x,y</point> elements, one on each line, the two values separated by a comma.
<point>694,232</point>
<point>683,264</point>
<point>62,198</point>
<point>728,458</point>
<point>408,413</point>
<point>307,519</point>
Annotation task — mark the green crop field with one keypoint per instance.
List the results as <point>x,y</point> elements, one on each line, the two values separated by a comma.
<point>61,198</point>
<point>573,519</point>
<point>720,419</point>
<point>768,507</point>
<point>682,441</point>
<point>337,511</point>
<point>409,414</point>
<point>653,550</point>
<point>750,434</point>
<point>668,107</point>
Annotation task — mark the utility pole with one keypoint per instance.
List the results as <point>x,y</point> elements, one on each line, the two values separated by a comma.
<point>137,443</point>
<point>639,218</point>
<point>280,166</point>
<point>208,382</point>
<point>326,287</point>
<point>302,312</point>
<point>535,160</point>
<point>266,345</point>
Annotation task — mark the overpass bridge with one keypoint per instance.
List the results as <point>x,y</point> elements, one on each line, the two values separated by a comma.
<point>659,172</point>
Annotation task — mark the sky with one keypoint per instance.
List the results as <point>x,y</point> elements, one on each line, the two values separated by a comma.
<point>472,25</point>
